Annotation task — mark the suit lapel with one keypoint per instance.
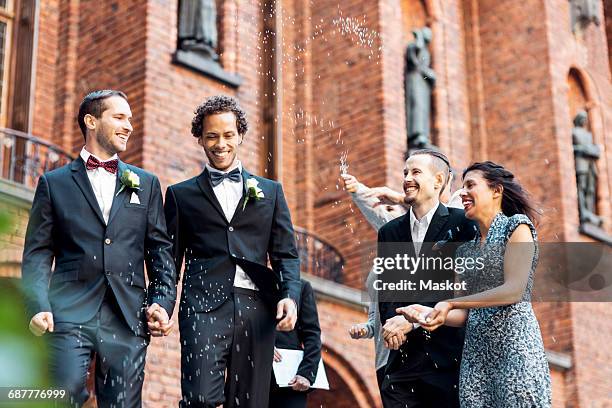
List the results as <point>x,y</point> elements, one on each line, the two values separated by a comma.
<point>438,221</point>
<point>79,174</point>
<point>404,231</point>
<point>203,181</point>
<point>406,234</point>
<point>239,211</point>
<point>245,176</point>
<point>402,234</point>
<point>118,199</point>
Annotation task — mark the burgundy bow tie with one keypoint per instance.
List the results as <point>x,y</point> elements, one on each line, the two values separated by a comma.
<point>110,165</point>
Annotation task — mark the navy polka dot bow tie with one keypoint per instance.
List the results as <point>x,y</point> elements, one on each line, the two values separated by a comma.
<point>216,177</point>
<point>110,165</point>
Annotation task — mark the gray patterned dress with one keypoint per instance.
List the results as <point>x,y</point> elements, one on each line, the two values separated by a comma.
<point>503,364</point>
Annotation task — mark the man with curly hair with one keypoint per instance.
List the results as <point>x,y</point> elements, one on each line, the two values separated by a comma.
<point>226,224</point>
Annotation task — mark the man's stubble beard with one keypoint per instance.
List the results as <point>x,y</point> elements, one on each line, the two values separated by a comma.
<point>106,144</point>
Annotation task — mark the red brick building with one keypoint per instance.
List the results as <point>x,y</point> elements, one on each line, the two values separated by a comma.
<point>320,79</point>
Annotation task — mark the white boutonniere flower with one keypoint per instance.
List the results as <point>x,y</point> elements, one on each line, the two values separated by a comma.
<point>253,191</point>
<point>130,180</point>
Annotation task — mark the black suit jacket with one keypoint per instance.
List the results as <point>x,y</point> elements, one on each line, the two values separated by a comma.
<point>443,345</point>
<point>306,335</point>
<point>211,245</point>
<point>66,226</point>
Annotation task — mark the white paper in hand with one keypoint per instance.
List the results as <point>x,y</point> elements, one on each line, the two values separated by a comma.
<point>285,370</point>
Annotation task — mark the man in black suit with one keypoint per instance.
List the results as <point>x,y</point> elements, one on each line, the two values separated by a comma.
<point>423,367</point>
<point>227,224</point>
<point>99,220</point>
<point>306,336</point>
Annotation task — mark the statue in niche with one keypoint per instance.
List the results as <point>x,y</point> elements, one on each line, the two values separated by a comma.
<point>586,154</point>
<point>584,12</point>
<point>419,80</point>
<point>197,30</point>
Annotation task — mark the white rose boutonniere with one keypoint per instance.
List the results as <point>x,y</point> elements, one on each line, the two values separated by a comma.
<point>253,191</point>
<point>129,179</point>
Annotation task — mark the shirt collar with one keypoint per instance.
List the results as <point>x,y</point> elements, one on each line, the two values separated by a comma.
<point>237,165</point>
<point>85,156</point>
<point>426,220</point>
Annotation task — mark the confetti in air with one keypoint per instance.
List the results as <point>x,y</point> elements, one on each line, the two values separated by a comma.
<point>343,163</point>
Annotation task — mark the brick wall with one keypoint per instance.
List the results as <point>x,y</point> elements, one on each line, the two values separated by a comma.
<point>339,111</point>
<point>514,102</point>
<point>584,51</point>
<point>353,358</point>
<point>83,46</point>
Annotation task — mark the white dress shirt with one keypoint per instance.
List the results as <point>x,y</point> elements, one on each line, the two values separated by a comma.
<point>103,184</point>
<point>229,194</point>
<point>419,228</point>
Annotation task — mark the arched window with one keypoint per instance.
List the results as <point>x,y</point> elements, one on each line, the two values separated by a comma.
<point>577,96</point>
<point>414,15</point>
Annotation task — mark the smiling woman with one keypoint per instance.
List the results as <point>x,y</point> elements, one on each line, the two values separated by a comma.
<point>488,185</point>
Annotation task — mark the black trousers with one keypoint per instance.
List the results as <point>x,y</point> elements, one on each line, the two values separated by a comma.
<point>380,377</point>
<point>226,354</point>
<point>418,393</point>
<point>413,380</point>
<point>120,358</point>
<point>287,398</point>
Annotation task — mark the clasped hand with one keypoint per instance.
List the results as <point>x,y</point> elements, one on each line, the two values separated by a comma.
<point>158,321</point>
<point>394,332</point>
<point>286,314</point>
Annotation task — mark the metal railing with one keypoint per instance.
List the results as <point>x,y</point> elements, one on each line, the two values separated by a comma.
<point>23,157</point>
<point>318,257</point>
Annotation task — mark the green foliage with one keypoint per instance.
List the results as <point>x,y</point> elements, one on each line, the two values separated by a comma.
<point>5,221</point>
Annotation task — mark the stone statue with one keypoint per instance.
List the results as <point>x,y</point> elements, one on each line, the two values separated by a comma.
<point>585,154</point>
<point>419,80</point>
<point>584,12</point>
<point>197,30</point>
